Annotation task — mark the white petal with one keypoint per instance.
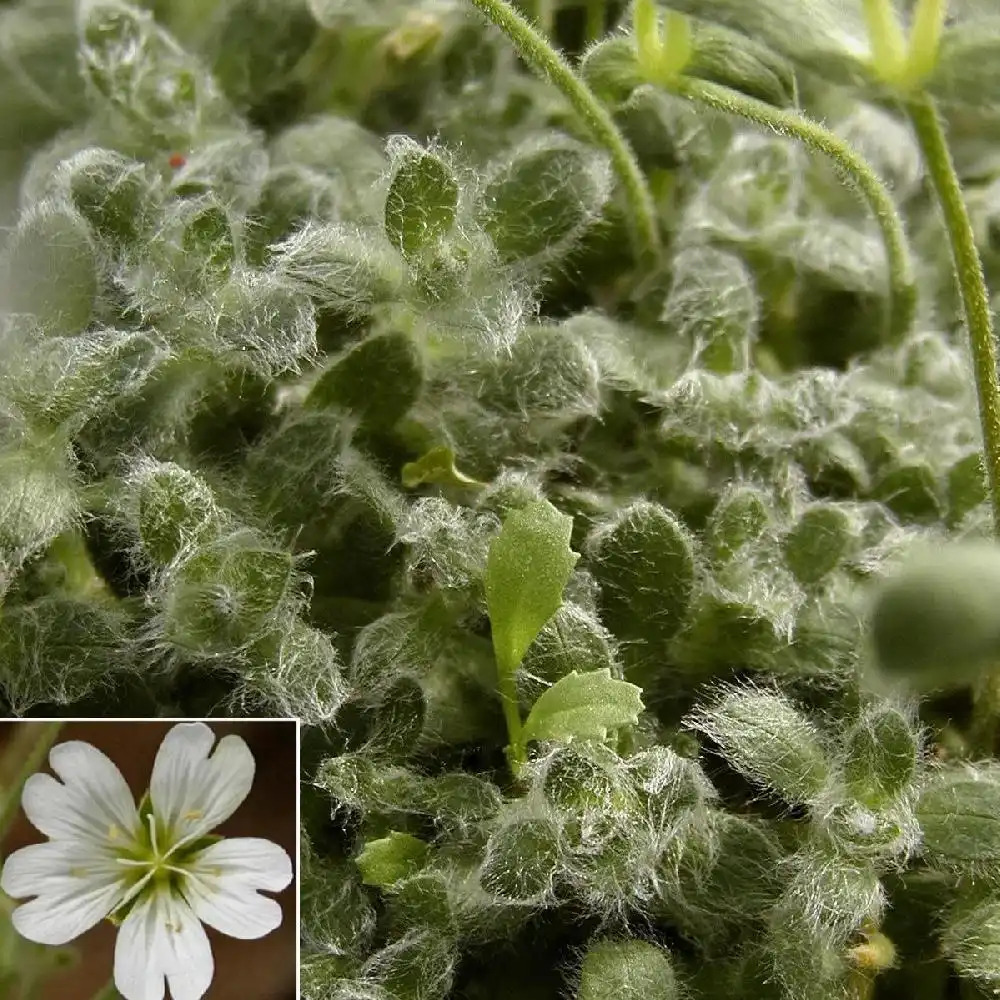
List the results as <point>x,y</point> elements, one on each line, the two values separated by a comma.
<point>193,793</point>
<point>162,939</point>
<point>41,868</point>
<point>258,863</point>
<point>235,909</point>
<point>71,899</point>
<point>223,893</point>
<point>93,802</point>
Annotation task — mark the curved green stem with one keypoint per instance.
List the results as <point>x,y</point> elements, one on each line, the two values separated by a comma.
<point>535,50</point>
<point>971,283</point>
<point>902,285</point>
<point>32,742</point>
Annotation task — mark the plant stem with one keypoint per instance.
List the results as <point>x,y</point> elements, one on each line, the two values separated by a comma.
<point>902,286</point>
<point>33,748</point>
<point>595,25</point>
<point>971,282</point>
<point>512,715</point>
<point>535,50</point>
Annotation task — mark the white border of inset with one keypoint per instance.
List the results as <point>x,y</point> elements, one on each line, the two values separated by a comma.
<point>208,720</point>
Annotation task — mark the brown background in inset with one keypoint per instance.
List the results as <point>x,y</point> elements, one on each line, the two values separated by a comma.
<point>244,970</point>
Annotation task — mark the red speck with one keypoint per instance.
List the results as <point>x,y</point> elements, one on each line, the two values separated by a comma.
<point>177,161</point>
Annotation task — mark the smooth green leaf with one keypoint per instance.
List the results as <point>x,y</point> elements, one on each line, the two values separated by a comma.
<point>528,566</point>
<point>389,859</point>
<point>583,706</point>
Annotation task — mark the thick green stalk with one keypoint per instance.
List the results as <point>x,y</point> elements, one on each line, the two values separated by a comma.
<point>535,50</point>
<point>902,286</point>
<point>32,742</point>
<point>971,284</point>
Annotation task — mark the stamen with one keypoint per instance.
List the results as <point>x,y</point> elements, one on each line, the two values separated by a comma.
<point>114,833</point>
<point>132,863</point>
<point>193,814</point>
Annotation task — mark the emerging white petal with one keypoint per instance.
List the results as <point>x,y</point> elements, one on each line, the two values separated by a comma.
<point>162,939</point>
<point>75,890</point>
<point>227,876</point>
<point>193,793</point>
<point>93,802</point>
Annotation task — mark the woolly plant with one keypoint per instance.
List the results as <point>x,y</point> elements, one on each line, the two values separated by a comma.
<point>522,397</point>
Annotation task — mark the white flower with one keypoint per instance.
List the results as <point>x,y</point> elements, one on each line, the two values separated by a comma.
<point>154,869</point>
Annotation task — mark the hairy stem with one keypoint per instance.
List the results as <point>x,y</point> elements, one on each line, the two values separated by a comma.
<point>24,756</point>
<point>535,50</point>
<point>902,286</point>
<point>971,284</point>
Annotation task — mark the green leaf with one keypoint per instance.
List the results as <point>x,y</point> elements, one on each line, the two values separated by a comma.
<point>583,706</point>
<point>543,199</point>
<point>627,970</point>
<point>111,192</point>
<point>528,566</point>
<point>767,739</point>
<point>880,755</point>
<point>521,859</point>
<point>610,68</point>
<point>208,238</point>
<point>377,380</point>
<point>422,200</point>
<point>49,269</point>
<point>959,813</point>
<point>436,466</point>
<point>934,622</point>
<point>741,63</point>
<point>971,940</point>
<point>818,542</point>
<point>740,517</point>
<point>389,859</point>
<point>175,509</point>
<point>968,62</point>
<point>644,561</point>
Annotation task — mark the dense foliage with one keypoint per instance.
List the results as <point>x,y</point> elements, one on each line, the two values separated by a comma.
<point>341,380</point>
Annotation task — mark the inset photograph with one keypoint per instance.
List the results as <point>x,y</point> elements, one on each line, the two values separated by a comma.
<point>148,859</point>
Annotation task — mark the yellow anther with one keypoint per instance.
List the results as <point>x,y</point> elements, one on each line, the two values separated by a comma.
<point>193,814</point>
<point>113,832</point>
